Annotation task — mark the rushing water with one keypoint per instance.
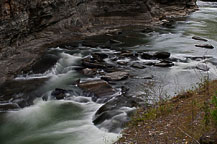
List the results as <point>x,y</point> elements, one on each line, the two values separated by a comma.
<point>69,121</point>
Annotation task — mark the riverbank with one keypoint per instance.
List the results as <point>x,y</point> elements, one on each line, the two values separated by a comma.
<point>187,118</point>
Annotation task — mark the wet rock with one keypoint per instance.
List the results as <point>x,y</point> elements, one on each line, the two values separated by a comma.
<point>112,109</point>
<point>207,46</point>
<point>168,23</point>
<point>99,56</point>
<point>122,62</point>
<point>8,106</point>
<point>199,38</point>
<point>162,55</point>
<point>115,76</point>
<point>90,44</point>
<point>99,88</point>
<point>92,63</point>
<point>44,63</point>
<point>59,93</point>
<point>209,138</point>
<point>147,30</point>
<point>146,56</point>
<point>89,72</point>
<point>202,67</point>
<point>126,54</point>
<point>149,63</point>
<point>164,63</point>
<point>138,65</point>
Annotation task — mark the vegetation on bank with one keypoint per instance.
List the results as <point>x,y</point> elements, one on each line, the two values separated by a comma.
<point>190,117</point>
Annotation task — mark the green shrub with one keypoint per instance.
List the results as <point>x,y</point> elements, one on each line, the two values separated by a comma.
<point>214,110</point>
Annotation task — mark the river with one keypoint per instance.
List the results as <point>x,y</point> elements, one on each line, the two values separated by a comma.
<point>69,121</point>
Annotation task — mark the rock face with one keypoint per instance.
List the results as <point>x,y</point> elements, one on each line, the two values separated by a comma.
<point>28,27</point>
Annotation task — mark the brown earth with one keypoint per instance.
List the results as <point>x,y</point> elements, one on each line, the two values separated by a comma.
<point>185,119</point>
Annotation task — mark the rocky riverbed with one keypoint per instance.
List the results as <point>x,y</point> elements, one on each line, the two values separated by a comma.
<point>96,82</point>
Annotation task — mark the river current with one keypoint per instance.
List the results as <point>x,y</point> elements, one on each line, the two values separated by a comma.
<point>69,121</point>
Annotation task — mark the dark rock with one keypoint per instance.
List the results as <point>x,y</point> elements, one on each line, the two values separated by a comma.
<point>59,93</point>
<point>44,63</point>
<point>99,56</point>
<point>112,41</point>
<point>209,138</point>
<point>162,55</point>
<point>99,88</point>
<point>208,46</point>
<point>138,65</point>
<point>199,38</point>
<point>164,63</point>
<point>168,23</point>
<point>115,76</point>
<point>89,72</point>
<point>147,30</point>
<point>146,56</point>
<point>149,63</point>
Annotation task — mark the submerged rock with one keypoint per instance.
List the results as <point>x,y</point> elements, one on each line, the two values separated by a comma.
<point>199,38</point>
<point>208,46</point>
<point>59,93</point>
<point>115,76</point>
<point>164,63</point>
<point>202,67</point>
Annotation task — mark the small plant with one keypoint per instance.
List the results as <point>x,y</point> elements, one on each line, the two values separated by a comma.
<point>214,110</point>
<point>206,109</point>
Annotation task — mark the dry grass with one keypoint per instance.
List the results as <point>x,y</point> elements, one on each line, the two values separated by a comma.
<point>183,119</point>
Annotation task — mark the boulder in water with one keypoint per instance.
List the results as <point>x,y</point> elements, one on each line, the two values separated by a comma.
<point>115,76</point>
<point>99,88</point>
<point>208,46</point>
<point>138,65</point>
<point>162,55</point>
<point>146,56</point>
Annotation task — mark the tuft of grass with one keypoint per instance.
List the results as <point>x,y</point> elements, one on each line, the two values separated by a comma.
<point>214,110</point>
